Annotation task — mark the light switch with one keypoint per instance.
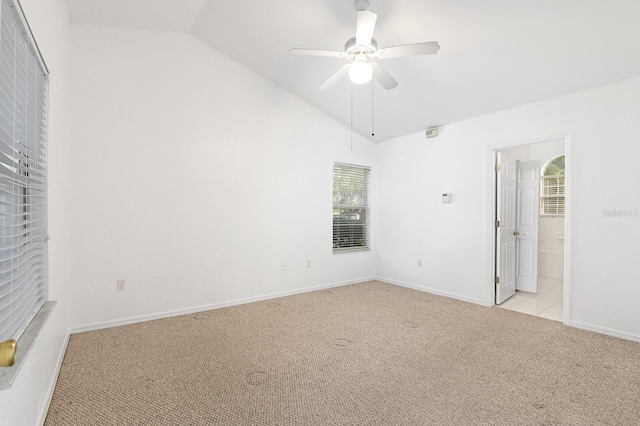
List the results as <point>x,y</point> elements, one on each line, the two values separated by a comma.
<point>446,198</point>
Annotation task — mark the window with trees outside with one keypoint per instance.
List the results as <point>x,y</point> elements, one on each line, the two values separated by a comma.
<point>350,207</point>
<point>552,188</point>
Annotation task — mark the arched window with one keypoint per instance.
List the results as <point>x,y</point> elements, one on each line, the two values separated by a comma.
<point>552,188</point>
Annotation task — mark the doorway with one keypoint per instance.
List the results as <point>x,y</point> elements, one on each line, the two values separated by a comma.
<point>531,213</point>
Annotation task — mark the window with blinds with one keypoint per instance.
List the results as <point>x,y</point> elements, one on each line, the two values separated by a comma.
<point>23,174</point>
<point>552,188</point>
<point>350,207</point>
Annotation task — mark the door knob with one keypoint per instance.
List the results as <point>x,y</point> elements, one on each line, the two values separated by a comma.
<point>516,233</point>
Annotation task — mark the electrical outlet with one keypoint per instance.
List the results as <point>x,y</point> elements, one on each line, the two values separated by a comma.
<point>419,263</point>
<point>122,284</point>
<point>285,267</point>
<point>308,263</point>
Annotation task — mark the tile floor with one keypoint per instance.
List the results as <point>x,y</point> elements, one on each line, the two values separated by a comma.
<point>546,303</point>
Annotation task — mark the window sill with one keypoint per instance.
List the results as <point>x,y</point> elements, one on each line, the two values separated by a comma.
<point>25,343</point>
<point>353,250</point>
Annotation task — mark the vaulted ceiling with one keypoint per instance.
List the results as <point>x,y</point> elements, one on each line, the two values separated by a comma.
<point>494,54</point>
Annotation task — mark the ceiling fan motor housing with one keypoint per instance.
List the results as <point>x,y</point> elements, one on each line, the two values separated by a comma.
<point>352,49</point>
<point>362,4</point>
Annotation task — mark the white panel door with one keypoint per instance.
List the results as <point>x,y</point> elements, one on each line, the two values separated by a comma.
<point>527,215</point>
<point>505,232</point>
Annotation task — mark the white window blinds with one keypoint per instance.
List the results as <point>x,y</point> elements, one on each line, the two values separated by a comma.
<point>350,207</point>
<point>552,187</point>
<point>552,195</point>
<point>23,184</point>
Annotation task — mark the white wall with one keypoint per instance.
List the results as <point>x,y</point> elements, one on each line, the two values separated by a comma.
<point>551,247</point>
<point>25,403</point>
<point>414,224</point>
<point>195,180</point>
<point>454,239</point>
<point>545,152</point>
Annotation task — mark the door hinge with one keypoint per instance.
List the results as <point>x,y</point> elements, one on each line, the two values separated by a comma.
<point>497,167</point>
<point>497,224</point>
<point>497,280</point>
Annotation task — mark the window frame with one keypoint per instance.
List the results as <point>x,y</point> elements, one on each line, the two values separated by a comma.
<point>23,175</point>
<point>351,218</point>
<point>552,196</point>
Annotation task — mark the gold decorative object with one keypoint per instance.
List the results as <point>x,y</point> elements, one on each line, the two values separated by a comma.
<point>8,353</point>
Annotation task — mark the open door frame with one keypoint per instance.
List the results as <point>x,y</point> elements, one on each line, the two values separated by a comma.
<point>491,213</point>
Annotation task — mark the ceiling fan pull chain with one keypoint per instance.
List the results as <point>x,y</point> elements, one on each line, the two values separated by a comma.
<point>351,116</point>
<point>372,110</point>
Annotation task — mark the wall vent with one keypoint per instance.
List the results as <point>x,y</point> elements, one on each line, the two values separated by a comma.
<point>432,132</point>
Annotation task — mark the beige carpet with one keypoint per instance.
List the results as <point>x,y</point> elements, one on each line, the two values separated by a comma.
<point>365,354</point>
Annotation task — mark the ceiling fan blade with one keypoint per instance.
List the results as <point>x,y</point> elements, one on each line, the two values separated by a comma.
<point>334,77</point>
<point>426,48</point>
<point>383,77</point>
<point>313,52</point>
<point>365,25</point>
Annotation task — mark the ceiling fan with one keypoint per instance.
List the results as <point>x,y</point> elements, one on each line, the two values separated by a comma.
<point>361,49</point>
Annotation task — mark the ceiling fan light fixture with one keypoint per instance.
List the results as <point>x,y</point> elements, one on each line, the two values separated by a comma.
<point>360,72</point>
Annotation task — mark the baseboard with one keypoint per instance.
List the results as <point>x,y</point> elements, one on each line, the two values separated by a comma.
<point>208,307</point>
<point>434,291</point>
<point>604,330</point>
<point>54,380</point>
<point>577,324</point>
